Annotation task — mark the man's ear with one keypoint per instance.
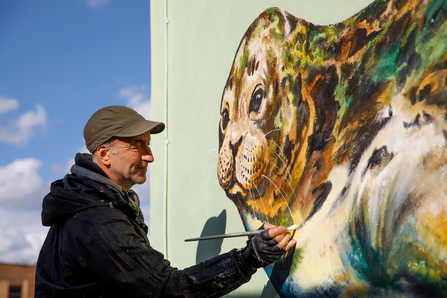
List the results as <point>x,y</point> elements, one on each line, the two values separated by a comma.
<point>103,155</point>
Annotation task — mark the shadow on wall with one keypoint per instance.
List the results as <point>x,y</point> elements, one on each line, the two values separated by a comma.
<point>210,248</point>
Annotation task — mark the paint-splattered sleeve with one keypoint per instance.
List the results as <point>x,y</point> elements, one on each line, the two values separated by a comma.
<point>213,278</point>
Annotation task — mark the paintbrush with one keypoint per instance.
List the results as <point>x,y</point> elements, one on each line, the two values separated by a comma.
<point>240,234</point>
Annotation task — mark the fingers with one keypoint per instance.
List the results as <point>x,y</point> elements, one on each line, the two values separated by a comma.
<point>290,244</point>
<point>284,241</point>
<point>276,231</point>
<point>281,236</point>
<point>267,225</point>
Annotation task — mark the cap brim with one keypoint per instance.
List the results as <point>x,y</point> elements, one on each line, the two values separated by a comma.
<point>141,127</point>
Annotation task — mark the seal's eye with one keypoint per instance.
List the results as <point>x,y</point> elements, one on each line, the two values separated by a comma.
<point>257,97</point>
<point>225,118</point>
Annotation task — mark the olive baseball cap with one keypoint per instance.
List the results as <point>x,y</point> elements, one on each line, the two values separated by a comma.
<point>116,121</point>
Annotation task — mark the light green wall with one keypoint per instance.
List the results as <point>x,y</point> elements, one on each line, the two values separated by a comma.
<point>193,52</point>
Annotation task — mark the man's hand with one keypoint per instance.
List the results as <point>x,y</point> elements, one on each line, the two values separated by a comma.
<point>281,235</point>
<point>268,246</point>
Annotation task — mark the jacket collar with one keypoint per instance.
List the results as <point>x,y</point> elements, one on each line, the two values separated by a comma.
<point>80,171</point>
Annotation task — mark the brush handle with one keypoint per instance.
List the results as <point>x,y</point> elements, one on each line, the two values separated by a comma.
<point>240,234</point>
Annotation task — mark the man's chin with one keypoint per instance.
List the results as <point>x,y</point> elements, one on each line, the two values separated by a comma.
<point>140,179</point>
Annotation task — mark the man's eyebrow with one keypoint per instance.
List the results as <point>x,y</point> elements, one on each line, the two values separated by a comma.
<point>141,140</point>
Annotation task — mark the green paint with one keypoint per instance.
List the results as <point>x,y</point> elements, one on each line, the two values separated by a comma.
<point>270,10</point>
<point>242,64</point>
<point>297,259</point>
<point>340,96</point>
<point>385,67</point>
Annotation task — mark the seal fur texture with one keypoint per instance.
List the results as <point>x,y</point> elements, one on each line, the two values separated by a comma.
<point>342,129</point>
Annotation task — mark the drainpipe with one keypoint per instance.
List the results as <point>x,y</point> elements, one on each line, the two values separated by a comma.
<point>166,135</point>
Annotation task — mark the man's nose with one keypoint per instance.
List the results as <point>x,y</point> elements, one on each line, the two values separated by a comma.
<point>147,155</point>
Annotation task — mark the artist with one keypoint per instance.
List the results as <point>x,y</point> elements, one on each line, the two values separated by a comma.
<point>97,244</point>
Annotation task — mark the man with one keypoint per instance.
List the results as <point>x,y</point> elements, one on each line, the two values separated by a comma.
<point>97,244</point>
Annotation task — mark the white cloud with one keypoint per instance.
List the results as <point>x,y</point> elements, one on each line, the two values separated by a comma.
<point>20,130</point>
<point>22,191</point>
<point>137,99</point>
<point>21,236</point>
<point>96,3</point>
<point>8,104</point>
<point>21,186</point>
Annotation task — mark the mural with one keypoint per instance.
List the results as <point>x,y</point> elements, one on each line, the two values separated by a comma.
<point>342,130</point>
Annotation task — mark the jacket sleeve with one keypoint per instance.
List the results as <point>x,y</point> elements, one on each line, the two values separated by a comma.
<point>213,278</point>
<point>114,250</point>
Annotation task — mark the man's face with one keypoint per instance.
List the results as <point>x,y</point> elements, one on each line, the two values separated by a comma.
<point>129,158</point>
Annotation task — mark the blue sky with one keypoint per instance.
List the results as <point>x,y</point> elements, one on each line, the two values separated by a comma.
<point>60,61</point>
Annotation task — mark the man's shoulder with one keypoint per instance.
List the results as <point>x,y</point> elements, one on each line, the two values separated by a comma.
<point>99,218</point>
<point>98,214</point>
<point>104,226</point>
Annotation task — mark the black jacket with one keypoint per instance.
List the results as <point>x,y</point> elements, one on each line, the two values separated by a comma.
<point>97,247</point>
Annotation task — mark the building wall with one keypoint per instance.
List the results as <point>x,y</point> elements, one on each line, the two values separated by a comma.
<point>17,276</point>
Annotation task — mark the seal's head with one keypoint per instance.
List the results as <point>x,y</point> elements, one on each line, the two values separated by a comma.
<point>258,131</point>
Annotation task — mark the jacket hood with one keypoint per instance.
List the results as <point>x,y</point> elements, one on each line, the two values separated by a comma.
<point>68,197</point>
<point>86,187</point>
